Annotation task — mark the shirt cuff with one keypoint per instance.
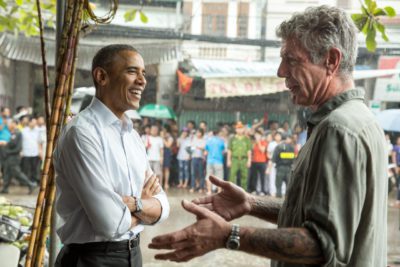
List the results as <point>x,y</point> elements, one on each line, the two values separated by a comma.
<point>162,197</point>
<point>325,241</point>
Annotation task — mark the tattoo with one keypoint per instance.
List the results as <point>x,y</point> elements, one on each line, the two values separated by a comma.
<point>266,208</point>
<point>293,245</point>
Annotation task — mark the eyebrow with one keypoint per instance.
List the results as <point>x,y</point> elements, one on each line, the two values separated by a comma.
<point>133,68</point>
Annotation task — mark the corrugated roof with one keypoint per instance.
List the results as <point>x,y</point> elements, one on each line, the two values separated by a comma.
<point>22,48</point>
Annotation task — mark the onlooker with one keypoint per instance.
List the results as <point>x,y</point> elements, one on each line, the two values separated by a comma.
<point>271,168</point>
<point>155,152</point>
<point>283,158</point>
<point>198,144</point>
<point>259,162</point>
<point>215,148</point>
<point>12,160</point>
<point>168,142</point>
<point>183,158</point>
<point>239,156</point>
<point>31,151</point>
<point>396,161</point>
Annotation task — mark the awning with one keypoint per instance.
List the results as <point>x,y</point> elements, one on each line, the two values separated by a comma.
<point>225,78</point>
<point>21,48</point>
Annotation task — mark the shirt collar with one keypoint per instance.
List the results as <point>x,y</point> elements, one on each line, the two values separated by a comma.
<point>333,104</point>
<point>106,117</point>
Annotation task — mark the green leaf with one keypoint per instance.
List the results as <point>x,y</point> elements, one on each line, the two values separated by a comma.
<point>379,12</point>
<point>3,4</point>
<point>390,11</point>
<point>366,26</point>
<point>19,2</point>
<point>372,7</point>
<point>364,10</point>
<point>143,17</point>
<point>370,40</point>
<point>379,26</point>
<point>359,20</point>
<point>367,2</point>
<point>130,15</point>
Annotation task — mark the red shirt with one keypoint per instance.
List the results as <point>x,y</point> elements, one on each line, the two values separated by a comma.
<point>259,156</point>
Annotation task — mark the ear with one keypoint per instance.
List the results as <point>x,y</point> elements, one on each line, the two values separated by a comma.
<point>100,76</point>
<point>332,61</point>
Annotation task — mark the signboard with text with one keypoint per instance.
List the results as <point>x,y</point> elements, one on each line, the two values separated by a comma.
<point>243,86</point>
<point>388,88</point>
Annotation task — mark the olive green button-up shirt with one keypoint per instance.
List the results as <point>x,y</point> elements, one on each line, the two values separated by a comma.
<point>338,186</point>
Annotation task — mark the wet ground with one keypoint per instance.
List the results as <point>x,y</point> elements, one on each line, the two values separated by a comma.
<point>221,258</point>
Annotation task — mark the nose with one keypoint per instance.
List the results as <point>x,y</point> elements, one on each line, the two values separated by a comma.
<point>141,79</point>
<point>282,70</point>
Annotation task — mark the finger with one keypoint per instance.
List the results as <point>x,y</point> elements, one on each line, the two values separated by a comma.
<point>151,180</point>
<point>179,255</point>
<point>203,200</point>
<point>200,212</point>
<point>208,206</point>
<point>161,241</point>
<point>219,182</point>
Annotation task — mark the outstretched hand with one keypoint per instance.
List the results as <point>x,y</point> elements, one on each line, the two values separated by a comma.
<point>231,203</point>
<point>209,233</point>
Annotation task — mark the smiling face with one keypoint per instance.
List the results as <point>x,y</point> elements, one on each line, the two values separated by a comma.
<point>307,82</point>
<point>120,86</point>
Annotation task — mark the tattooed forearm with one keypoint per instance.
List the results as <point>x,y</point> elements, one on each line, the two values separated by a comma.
<point>266,208</point>
<point>294,245</point>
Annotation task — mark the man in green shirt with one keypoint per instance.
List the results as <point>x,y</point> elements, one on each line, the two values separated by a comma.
<point>239,156</point>
<point>335,210</point>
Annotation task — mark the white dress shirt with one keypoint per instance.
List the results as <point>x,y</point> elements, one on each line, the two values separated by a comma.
<point>98,159</point>
<point>30,142</point>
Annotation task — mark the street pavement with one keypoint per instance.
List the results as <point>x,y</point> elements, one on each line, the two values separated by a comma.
<point>222,258</point>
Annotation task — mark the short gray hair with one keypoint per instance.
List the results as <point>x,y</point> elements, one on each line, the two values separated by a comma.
<point>321,28</point>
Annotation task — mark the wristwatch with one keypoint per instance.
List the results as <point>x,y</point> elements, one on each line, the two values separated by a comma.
<point>233,241</point>
<point>139,205</point>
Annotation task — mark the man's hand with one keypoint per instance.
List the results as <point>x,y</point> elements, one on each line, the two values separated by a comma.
<point>151,188</point>
<point>231,203</point>
<point>134,221</point>
<point>130,202</point>
<point>210,232</point>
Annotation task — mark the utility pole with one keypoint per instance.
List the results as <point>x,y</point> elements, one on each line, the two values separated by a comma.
<point>263,36</point>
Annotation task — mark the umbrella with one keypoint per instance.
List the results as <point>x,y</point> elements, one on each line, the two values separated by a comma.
<point>133,114</point>
<point>157,111</point>
<point>389,120</point>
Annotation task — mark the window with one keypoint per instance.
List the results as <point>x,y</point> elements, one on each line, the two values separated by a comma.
<point>214,21</point>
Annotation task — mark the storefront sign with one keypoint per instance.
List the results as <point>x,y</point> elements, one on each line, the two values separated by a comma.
<point>388,88</point>
<point>246,86</point>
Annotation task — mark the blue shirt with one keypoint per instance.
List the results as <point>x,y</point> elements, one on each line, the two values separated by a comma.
<point>5,134</point>
<point>215,147</point>
<point>98,159</point>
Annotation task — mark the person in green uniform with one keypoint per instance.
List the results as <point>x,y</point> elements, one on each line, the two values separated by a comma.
<point>239,156</point>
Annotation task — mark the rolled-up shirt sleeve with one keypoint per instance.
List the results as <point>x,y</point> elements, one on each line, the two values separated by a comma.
<point>82,165</point>
<point>334,205</point>
<point>162,197</point>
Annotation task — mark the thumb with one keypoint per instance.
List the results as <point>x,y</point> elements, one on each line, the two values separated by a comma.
<point>200,212</point>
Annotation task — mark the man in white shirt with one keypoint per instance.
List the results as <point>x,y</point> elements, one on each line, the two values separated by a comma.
<point>106,191</point>
<point>155,151</point>
<point>31,151</point>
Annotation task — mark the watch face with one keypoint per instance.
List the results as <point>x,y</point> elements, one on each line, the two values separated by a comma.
<point>233,243</point>
<point>139,205</point>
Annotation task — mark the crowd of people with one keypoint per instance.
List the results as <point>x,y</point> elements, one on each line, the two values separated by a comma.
<point>183,158</point>
<point>22,147</point>
<point>256,156</point>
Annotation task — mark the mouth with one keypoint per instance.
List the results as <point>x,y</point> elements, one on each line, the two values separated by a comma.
<point>137,93</point>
